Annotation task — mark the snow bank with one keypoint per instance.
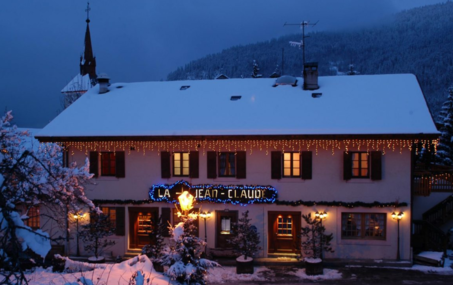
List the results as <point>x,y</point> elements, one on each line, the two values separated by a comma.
<point>329,274</point>
<point>228,275</point>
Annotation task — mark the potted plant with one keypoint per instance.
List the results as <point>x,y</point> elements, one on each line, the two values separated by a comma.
<point>314,241</point>
<point>154,250</point>
<point>94,235</point>
<point>245,243</point>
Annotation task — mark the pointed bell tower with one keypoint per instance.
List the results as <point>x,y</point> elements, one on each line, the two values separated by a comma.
<point>88,61</point>
<point>87,76</point>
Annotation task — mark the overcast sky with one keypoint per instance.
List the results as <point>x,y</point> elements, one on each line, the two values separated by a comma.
<point>142,40</point>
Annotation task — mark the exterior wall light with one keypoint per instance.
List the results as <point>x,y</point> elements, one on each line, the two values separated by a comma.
<point>398,217</point>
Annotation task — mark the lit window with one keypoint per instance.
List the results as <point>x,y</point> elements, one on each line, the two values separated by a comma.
<point>360,167</point>
<point>33,218</point>
<point>227,165</point>
<point>291,164</point>
<point>285,226</point>
<point>144,223</point>
<point>111,214</point>
<point>181,164</point>
<point>363,226</point>
<point>108,164</point>
<point>225,226</point>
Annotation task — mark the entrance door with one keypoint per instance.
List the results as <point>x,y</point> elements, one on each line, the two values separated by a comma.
<point>284,229</point>
<point>140,226</point>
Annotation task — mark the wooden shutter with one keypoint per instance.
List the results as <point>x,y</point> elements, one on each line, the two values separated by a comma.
<point>193,164</point>
<point>120,221</point>
<point>120,164</point>
<point>276,165</point>
<point>306,163</point>
<point>240,165</point>
<point>376,165</point>
<point>94,163</point>
<point>165,164</point>
<point>212,161</point>
<point>166,220</point>
<point>347,166</point>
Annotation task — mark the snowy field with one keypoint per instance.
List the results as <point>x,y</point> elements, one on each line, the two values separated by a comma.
<point>126,273</point>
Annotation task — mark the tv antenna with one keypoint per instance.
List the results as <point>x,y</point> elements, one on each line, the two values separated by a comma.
<point>302,42</point>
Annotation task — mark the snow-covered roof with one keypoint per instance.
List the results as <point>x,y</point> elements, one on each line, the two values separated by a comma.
<point>349,105</point>
<point>80,83</point>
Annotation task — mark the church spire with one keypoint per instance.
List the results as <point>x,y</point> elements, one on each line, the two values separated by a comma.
<point>88,61</point>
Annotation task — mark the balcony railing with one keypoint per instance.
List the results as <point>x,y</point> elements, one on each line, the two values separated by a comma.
<point>425,182</point>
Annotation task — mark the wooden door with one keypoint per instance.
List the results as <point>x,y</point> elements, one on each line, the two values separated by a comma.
<point>284,232</point>
<point>140,226</point>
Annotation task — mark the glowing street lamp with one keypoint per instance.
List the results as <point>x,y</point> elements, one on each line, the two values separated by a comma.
<point>398,217</point>
<point>321,216</point>
<point>186,201</point>
<point>78,216</point>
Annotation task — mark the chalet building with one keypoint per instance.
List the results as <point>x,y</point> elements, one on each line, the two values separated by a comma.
<point>268,146</point>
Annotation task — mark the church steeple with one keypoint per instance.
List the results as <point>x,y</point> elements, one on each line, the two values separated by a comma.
<point>88,61</point>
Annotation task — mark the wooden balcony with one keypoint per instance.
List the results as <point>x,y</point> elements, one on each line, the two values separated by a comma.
<point>435,179</point>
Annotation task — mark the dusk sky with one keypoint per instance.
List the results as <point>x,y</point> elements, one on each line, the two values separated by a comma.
<point>144,40</point>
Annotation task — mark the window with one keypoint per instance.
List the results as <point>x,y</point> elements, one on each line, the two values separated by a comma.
<point>184,164</point>
<point>33,218</point>
<point>108,164</point>
<point>224,225</point>
<point>360,167</point>
<point>110,212</point>
<point>291,164</point>
<point>363,226</point>
<point>144,225</point>
<point>227,164</point>
<point>181,164</point>
<point>284,226</point>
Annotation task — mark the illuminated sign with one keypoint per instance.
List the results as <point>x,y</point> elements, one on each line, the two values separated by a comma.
<point>234,194</point>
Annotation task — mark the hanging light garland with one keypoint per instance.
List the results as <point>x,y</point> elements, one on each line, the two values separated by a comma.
<point>250,145</point>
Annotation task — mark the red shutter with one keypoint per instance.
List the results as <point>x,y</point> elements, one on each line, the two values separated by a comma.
<point>94,163</point>
<point>240,165</point>
<point>376,165</point>
<point>212,163</point>
<point>276,165</point>
<point>120,221</point>
<point>347,166</point>
<point>166,220</point>
<point>165,164</point>
<point>120,164</point>
<point>307,161</point>
<point>193,164</point>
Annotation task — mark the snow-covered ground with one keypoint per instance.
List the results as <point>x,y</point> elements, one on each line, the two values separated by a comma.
<point>122,273</point>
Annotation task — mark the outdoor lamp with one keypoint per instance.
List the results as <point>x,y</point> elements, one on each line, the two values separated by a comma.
<point>320,215</point>
<point>398,218</point>
<point>205,215</point>
<point>186,201</point>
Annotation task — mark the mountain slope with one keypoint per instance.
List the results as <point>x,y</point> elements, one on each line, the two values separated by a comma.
<point>418,41</point>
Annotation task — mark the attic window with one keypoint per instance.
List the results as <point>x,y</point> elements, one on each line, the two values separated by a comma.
<point>235,97</point>
<point>316,95</point>
<point>286,80</point>
<point>184,87</point>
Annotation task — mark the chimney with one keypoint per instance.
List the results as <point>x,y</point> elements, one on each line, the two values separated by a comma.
<point>311,76</point>
<point>103,80</point>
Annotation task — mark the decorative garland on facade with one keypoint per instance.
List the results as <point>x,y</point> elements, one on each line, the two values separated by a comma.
<point>278,202</point>
<point>293,145</point>
<point>342,204</point>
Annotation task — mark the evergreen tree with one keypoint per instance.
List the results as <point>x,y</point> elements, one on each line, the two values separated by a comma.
<point>184,258</point>
<point>246,241</point>
<point>95,233</point>
<point>314,240</point>
<point>256,70</point>
<point>445,147</point>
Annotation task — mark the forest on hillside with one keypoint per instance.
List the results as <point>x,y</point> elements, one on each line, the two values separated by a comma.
<point>418,41</point>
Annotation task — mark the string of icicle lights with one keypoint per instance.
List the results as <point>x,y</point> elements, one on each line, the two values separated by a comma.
<point>289,145</point>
